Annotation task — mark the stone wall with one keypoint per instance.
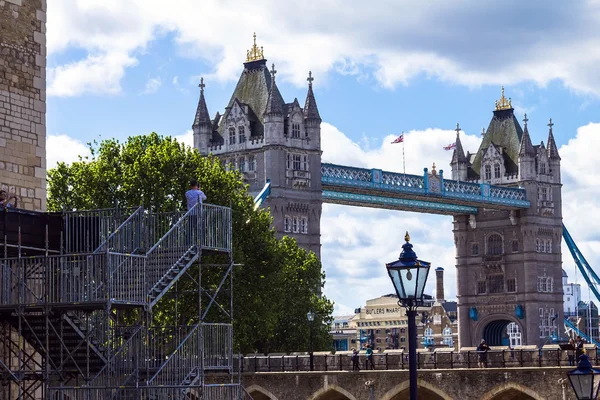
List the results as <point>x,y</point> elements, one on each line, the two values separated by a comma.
<point>481,384</point>
<point>23,101</point>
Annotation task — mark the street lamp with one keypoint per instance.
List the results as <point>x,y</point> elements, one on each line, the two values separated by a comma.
<point>310,316</point>
<point>584,379</point>
<point>409,276</point>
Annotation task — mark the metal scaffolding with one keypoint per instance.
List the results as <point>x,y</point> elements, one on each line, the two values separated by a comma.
<point>107,304</point>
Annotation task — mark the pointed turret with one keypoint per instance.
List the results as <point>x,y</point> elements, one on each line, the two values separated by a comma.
<point>459,154</point>
<point>202,115</point>
<point>275,101</point>
<point>526,148</point>
<point>202,126</point>
<point>311,112</point>
<point>552,149</point>
<point>459,160</point>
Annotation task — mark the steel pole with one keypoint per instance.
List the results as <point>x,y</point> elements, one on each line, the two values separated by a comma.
<point>312,366</point>
<point>411,313</point>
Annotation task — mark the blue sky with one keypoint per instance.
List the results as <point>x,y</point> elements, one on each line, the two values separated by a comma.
<point>120,68</point>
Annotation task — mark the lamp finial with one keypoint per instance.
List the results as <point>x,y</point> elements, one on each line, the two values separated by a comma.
<point>407,237</point>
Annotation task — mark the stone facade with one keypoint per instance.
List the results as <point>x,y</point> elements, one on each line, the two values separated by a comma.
<point>267,139</point>
<point>23,101</point>
<point>509,263</point>
<point>461,384</point>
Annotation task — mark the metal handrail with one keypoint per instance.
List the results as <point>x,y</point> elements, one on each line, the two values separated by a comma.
<point>175,226</point>
<point>140,209</point>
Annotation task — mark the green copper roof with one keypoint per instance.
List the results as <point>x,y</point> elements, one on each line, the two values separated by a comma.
<point>504,131</point>
<point>253,89</point>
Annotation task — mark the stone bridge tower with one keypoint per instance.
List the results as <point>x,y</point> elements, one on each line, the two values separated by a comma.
<point>509,263</point>
<point>23,101</point>
<point>266,138</point>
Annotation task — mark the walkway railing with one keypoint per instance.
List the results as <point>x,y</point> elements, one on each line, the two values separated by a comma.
<point>340,178</point>
<point>398,360</point>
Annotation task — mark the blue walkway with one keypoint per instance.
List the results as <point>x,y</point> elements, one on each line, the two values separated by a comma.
<point>429,193</point>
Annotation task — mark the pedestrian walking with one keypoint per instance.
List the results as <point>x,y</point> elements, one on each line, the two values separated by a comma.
<point>369,359</point>
<point>482,350</point>
<point>355,357</point>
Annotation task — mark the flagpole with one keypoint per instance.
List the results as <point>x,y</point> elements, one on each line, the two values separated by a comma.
<point>403,159</point>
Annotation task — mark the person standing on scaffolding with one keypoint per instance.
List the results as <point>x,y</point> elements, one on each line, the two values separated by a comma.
<point>194,196</point>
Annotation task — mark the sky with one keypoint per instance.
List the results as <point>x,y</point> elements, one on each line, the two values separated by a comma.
<point>118,68</point>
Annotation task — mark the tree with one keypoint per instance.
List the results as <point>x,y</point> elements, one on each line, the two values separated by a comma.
<point>278,282</point>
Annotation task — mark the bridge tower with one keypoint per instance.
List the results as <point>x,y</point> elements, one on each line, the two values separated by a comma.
<point>266,138</point>
<point>509,262</point>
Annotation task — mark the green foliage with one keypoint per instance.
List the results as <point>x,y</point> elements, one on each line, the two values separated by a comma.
<point>278,282</point>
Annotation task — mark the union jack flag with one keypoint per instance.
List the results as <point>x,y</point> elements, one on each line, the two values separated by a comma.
<point>450,146</point>
<point>399,139</point>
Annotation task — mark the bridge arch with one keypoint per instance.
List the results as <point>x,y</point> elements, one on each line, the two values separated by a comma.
<point>260,393</point>
<point>509,391</point>
<point>400,391</point>
<point>492,328</point>
<point>332,392</point>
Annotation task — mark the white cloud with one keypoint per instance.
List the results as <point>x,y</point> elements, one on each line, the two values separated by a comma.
<point>357,242</point>
<point>469,42</point>
<point>100,74</point>
<point>63,148</point>
<point>186,138</point>
<point>152,85</point>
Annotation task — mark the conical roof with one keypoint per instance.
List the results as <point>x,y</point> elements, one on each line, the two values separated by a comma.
<point>311,111</point>
<point>275,102</point>
<point>526,148</point>
<point>552,149</point>
<point>202,115</point>
<point>459,154</point>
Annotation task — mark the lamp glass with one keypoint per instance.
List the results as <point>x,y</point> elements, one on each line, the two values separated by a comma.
<point>584,379</point>
<point>409,281</point>
<point>310,316</point>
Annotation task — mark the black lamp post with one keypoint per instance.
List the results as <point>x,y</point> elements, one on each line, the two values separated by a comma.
<point>311,317</point>
<point>584,379</point>
<point>409,276</point>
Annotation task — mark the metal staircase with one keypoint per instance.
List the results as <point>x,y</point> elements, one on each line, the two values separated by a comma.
<point>87,315</point>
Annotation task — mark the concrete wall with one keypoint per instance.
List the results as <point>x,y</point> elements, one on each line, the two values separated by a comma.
<point>23,101</point>
<point>488,384</point>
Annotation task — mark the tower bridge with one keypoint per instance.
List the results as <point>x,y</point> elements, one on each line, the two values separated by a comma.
<point>504,198</point>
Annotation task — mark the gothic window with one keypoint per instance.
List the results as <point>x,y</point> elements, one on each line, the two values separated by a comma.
<point>297,160</point>
<point>545,284</point>
<point>295,225</point>
<point>481,287</point>
<point>242,164</point>
<point>494,245</point>
<point>251,163</point>
<point>447,337</point>
<point>542,168</point>
<point>511,285</point>
<point>515,246</point>
<point>495,283</point>
<point>287,224</point>
<point>305,162</point>
<point>295,130</point>
<point>403,330</point>
<point>496,171</point>
<point>548,246</point>
<point>488,172</point>
<point>242,134</point>
<point>543,194</point>
<point>475,249</point>
<point>514,334</point>
<point>537,245</point>
<point>547,322</point>
<point>403,339</point>
<point>304,225</point>
<point>232,135</point>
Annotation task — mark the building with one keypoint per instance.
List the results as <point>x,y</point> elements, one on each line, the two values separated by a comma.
<point>509,262</point>
<point>23,101</point>
<point>587,319</point>
<point>266,138</point>
<point>571,296</point>
<point>343,335</point>
<point>441,323</point>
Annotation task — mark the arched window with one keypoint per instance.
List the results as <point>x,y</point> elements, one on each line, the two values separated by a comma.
<point>447,336</point>
<point>496,171</point>
<point>488,172</point>
<point>494,245</point>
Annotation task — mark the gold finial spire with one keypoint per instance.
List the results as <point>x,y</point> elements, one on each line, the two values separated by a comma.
<point>433,171</point>
<point>407,236</point>
<point>503,103</point>
<point>255,53</point>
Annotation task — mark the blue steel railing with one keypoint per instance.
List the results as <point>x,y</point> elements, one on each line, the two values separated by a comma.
<point>343,178</point>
